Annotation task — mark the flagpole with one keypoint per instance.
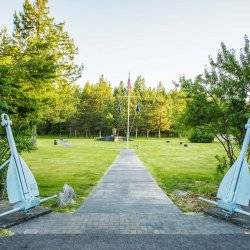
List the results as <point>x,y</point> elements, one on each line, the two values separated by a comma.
<point>128,113</point>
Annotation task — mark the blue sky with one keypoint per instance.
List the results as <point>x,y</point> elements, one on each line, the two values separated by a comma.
<point>158,39</point>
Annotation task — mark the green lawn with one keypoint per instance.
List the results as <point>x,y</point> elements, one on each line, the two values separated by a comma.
<point>179,168</point>
<point>81,165</point>
<point>174,166</point>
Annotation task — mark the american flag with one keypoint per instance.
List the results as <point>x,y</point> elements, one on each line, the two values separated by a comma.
<point>176,85</point>
<point>129,83</point>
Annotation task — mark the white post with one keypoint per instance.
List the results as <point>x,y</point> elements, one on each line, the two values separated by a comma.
<point>128,118</point>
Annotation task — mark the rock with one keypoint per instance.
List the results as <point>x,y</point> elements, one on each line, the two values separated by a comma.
<point>180,193</point>
<point>63,142</point>
<point>66,196</point>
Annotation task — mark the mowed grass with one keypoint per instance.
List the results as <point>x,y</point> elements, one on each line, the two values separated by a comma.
<point>176,168</point>
<point>81,166</point>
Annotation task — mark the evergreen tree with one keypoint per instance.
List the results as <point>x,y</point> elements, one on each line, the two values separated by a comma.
<point>96,107</point>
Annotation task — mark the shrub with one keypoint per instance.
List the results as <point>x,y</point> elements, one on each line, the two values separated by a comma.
<point>222,164</point>
<point>201,135</point>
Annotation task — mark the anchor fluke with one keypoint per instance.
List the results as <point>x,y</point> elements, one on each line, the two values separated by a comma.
<point>234,189</point>
<point>22,189</point>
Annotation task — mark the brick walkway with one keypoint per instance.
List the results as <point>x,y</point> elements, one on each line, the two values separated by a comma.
<point>127,201</point>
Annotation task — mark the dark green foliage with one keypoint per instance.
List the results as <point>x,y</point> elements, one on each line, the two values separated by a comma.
<point>201,135</point>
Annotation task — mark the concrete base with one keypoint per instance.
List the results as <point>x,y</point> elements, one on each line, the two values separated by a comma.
<point>19,217</point>
<point>237,219</point>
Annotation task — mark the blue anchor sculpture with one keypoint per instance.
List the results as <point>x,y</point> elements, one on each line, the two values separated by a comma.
<point>234,190</point>
<point>22,188</point>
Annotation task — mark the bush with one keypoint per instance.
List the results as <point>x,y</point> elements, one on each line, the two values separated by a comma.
<point>222,164</point>
<point>201,135</point>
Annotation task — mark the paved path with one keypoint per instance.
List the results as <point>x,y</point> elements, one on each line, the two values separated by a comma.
<point>126,242</point>
<point>128,188</point>
<point>127,201</point>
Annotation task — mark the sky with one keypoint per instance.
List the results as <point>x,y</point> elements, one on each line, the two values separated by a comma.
<point>158,39</point>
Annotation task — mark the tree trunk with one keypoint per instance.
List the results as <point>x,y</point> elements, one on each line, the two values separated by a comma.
<point>159,133</point>
<point>100,134</point>
<point>147,133</point>
<point>136,132</point>
<point>75,133</point>
<point>228,147</point>
<point>34,136</point>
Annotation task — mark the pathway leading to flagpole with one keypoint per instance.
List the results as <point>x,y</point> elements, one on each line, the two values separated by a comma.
<point>127,201</point>
<point>128,188</point>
